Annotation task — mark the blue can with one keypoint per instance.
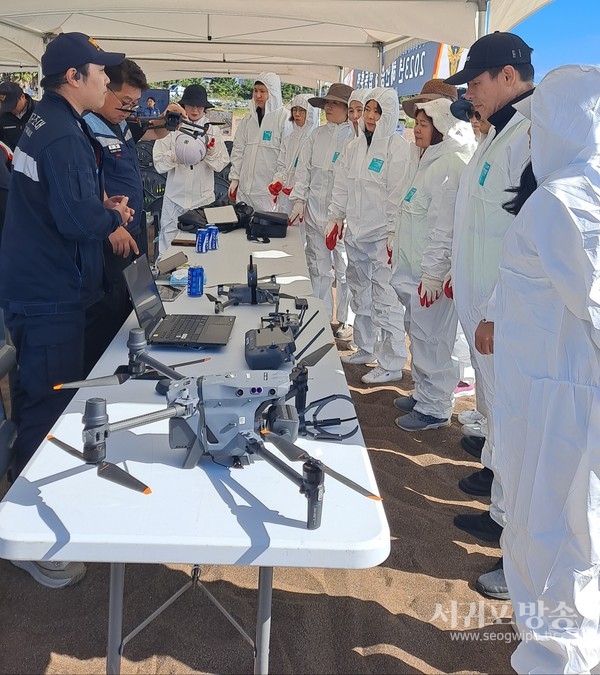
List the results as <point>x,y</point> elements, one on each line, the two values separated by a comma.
<point>195,285</point>
<point>213,237</point>
<point>202,241</point>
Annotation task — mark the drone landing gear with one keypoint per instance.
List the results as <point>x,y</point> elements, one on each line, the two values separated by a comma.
<point>260,645</point>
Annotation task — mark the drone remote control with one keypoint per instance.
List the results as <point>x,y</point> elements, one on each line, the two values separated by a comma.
<point>268,348</point>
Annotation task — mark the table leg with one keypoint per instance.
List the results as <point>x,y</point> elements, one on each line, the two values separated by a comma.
<point>263,620</point>
<point>115,618</point>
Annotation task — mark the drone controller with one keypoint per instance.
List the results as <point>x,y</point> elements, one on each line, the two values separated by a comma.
<point>268,347</point>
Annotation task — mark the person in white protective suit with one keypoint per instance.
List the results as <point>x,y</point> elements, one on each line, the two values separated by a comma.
<point>190,164</point>
<point>421,249</point>
<point>256,145</point>
<point>499,72</point>
<point>547,402</point>
<point>367,190</point>
<point>311,197</point>
<point>356,104</point>
<point>305,119</point>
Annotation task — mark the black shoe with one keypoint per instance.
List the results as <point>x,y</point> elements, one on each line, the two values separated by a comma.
<point>480,525</point>
<point>473,445</point>
<point>478,483</point>
<point>492,584</point>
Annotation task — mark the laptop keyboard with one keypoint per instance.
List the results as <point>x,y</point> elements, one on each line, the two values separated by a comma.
<point>184,328</point>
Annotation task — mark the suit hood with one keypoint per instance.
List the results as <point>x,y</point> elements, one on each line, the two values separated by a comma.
<point>390,110</point>
<point>565,119</point>
<point>312,113</point>
<point>273,84</point>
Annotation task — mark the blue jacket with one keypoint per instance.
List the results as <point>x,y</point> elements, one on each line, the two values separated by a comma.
<point>51,252</point>
<point>120,165</point>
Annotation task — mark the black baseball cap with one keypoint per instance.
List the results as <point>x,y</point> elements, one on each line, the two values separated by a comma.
<point>10,93</point>
<point>492,51</point>
<point>71,50</point>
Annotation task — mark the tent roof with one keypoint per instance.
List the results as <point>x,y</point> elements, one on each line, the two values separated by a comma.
<point>303,42</point>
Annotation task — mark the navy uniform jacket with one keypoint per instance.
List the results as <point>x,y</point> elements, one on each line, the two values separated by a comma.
<point>11,126</point>
<point>120,166</point>
<point>51,252</point>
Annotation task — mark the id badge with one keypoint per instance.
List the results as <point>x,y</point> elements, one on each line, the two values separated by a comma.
<point>376,165</point>
<point>267,135</point>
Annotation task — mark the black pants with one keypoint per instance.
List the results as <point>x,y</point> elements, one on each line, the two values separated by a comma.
<point>49,351</point>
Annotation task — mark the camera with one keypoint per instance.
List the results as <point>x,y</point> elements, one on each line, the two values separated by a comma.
<point>172,120</point>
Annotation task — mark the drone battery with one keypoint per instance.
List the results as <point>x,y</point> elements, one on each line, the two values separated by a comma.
<point>268,348</point>
<point>195,285</point>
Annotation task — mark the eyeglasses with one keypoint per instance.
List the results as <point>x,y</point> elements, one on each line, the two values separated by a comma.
<point>125,106</point>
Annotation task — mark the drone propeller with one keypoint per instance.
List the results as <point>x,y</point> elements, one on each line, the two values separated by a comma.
<point>219,306</point>
<point>107,470</point>
<point>314,357</point>
<point>118,378</point>
<point>296,454</point>
<point>94,382</point>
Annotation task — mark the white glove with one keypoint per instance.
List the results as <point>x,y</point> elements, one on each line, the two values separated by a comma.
<point>429,290</point>
<point>233,188</point>
<point>297,212</point>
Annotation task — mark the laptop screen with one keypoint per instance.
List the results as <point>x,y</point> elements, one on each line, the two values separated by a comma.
<point>144,294</point>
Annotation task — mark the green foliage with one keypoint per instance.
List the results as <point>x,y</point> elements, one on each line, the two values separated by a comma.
<point>232,89</point>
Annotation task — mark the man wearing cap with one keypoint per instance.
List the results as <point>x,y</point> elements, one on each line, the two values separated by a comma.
<point>498,72</point>
<point>51,255</point>
<point>15,110</point>
<point>311,198</point>
<point>256,144</point>
<point>190,164</point>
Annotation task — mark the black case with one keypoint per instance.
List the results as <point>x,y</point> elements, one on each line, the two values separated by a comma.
<point>267,225</point>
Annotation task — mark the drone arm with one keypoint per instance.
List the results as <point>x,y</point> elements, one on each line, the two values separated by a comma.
<point>137,355</point>
<point>174,410</point>
<point>310,482</point>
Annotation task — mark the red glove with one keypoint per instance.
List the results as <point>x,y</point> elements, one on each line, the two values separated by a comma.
<point>233,188</point>
<point>331,239</point>
<point>275,188</point>
<point>211,143</point>
<point>448,290</point>
<point>287,191</point>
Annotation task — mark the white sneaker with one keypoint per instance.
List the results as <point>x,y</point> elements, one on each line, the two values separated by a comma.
<point>380,375</point>
<point>360,357</point>
<point>53,574</point>
<point>478,429</point>
<point>344,331</point>
<point>469,416</point>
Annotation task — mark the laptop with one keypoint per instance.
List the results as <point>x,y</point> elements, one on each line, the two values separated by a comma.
<point>176,330</point>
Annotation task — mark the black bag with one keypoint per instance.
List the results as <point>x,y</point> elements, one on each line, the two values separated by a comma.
<point>267,225</point>
<point>192,220</point>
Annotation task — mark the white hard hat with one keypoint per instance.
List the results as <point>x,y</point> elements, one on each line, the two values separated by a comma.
<point>189,150</point>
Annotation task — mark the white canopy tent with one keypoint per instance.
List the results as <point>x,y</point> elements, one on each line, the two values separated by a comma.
<point>303,42</point>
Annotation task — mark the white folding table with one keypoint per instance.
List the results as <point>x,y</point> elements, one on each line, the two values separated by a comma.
<point>58,509</point>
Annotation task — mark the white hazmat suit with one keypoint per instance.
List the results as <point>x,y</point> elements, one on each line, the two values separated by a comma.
<point>188,187</point>
<point>289,152</point>
<point>313,186</point>
<point>547,402</point>
<point>368,187</point>
<point>422,245</point>
<point>480,224</point>
<point>256,147</point>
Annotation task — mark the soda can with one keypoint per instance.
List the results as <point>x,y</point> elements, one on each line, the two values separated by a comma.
<point>202,241</point>
<point>213,237</point>
<point>195,285</point>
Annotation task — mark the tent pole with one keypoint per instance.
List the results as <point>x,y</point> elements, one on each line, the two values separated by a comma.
<point>482,17</point>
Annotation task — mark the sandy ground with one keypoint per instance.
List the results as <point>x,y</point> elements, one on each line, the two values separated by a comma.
<point>395,618</point>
